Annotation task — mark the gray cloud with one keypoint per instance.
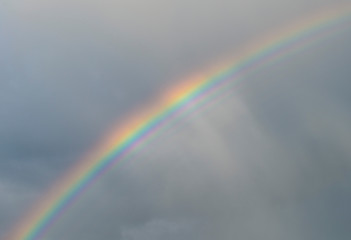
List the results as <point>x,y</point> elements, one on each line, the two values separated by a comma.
<point>271,161</point>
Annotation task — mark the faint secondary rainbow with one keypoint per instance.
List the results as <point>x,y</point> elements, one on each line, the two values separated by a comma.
<point>180,99</point>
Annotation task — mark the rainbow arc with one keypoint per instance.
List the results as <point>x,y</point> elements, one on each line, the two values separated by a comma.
<point>190,94</point>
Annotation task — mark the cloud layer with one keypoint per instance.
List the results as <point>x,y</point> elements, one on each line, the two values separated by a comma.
<point>269,161</point>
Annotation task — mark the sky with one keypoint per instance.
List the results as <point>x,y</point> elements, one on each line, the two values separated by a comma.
<point>271,160</point>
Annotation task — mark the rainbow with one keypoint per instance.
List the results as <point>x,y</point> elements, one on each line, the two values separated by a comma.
<point>179,100</point>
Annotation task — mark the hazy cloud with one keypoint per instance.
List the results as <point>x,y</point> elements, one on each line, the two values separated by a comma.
<point>269,161</point>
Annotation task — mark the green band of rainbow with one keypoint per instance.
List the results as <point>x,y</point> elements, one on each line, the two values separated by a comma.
<point>179,100</point>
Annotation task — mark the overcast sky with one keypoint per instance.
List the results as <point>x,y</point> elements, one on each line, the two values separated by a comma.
<point>271,160</point>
